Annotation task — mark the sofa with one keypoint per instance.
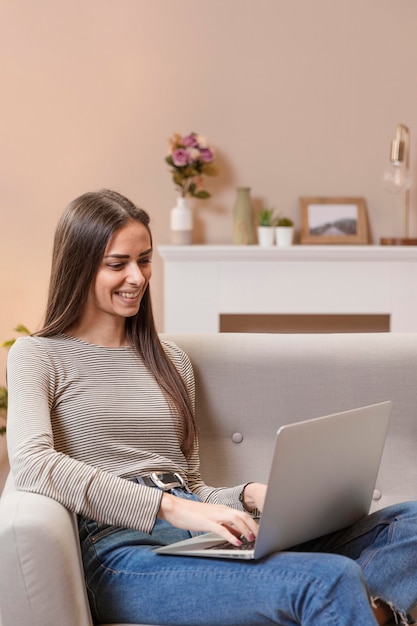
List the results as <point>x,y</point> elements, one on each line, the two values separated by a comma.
<point>247,386</point>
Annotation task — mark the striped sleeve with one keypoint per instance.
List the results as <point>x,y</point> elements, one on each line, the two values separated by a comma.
<point>38,467</point>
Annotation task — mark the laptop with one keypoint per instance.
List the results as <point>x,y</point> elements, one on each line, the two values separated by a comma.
<point>322,479</point>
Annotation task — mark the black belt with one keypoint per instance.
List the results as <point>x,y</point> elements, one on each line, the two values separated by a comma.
<point>162,480</point>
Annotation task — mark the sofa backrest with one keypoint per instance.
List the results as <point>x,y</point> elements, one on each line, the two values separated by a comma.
<point>250,384</point>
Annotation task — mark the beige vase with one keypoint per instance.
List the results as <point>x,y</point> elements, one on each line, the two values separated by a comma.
<point>243,218</point>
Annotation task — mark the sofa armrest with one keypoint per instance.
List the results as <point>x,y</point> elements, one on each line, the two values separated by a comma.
<point>41,576</point>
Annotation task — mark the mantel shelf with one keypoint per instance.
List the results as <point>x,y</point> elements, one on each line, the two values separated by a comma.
<point>205,282</point>
<point>311,253</point>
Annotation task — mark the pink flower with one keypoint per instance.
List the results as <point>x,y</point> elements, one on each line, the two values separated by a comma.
<point>189,141</point>
<point>180,157</point>
<point>206,155</point>
<point>193,154</point>
<point>202,141</point>
<point>190,159</point>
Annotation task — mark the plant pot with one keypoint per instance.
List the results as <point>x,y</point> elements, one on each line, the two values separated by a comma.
<point>181,222</point>
<point>284,235</point>
<point>266,236</point>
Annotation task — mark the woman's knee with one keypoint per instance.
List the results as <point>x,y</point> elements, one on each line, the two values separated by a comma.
<point>331,586</point>
<point>341,572</point>
<point>351,570</point>
<point>320,570</point>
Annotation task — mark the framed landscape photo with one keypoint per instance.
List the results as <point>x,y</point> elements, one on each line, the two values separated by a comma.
<point>334,221</point>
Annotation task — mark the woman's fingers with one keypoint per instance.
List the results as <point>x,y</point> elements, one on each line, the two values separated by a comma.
<point>234,531</point>
<point>189,515</point>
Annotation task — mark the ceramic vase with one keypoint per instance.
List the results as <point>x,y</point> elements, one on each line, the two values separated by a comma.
<point>181,221</point>
<point>243,218</point>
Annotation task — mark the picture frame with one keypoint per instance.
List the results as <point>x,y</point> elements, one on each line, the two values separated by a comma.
<point>333,220</point>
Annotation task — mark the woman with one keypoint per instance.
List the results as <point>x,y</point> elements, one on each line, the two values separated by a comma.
<point>97,404</point>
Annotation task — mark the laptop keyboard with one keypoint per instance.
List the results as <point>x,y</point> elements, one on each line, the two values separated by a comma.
<point>226,545</point>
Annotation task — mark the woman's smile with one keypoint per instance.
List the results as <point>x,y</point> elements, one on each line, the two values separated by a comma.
<point>129,295</point>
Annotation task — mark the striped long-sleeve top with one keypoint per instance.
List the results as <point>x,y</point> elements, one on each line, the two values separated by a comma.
<point>84,419</point>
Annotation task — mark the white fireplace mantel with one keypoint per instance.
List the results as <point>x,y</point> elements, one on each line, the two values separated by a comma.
<point>204,281</point>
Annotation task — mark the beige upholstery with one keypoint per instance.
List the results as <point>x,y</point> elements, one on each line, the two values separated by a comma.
<point>247,384</point>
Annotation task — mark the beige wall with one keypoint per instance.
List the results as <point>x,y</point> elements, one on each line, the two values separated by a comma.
<point>299,97</point>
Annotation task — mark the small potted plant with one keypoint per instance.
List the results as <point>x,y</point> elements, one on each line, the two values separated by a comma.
<point>284,231</point>
<point>266,227</point>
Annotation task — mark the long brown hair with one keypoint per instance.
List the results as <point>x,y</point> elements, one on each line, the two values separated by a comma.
<point>80,240</point>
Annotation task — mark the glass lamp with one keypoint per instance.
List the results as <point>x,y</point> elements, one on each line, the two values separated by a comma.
<point>397,179</point>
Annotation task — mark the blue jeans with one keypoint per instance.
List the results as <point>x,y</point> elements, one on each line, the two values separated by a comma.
<point>329,581</point>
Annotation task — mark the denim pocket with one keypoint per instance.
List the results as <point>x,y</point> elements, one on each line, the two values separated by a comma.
<point>102,530</point>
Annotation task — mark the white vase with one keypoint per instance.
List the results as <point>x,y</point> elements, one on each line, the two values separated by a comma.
<point>181,220</point>
<point>266,236</point>
<point>284,235</point>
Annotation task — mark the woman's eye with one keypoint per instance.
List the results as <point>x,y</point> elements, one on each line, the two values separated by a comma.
<point>115,266</point>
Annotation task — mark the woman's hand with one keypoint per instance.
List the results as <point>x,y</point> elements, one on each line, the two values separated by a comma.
<point>253,496</point>
<point>202,516</point>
